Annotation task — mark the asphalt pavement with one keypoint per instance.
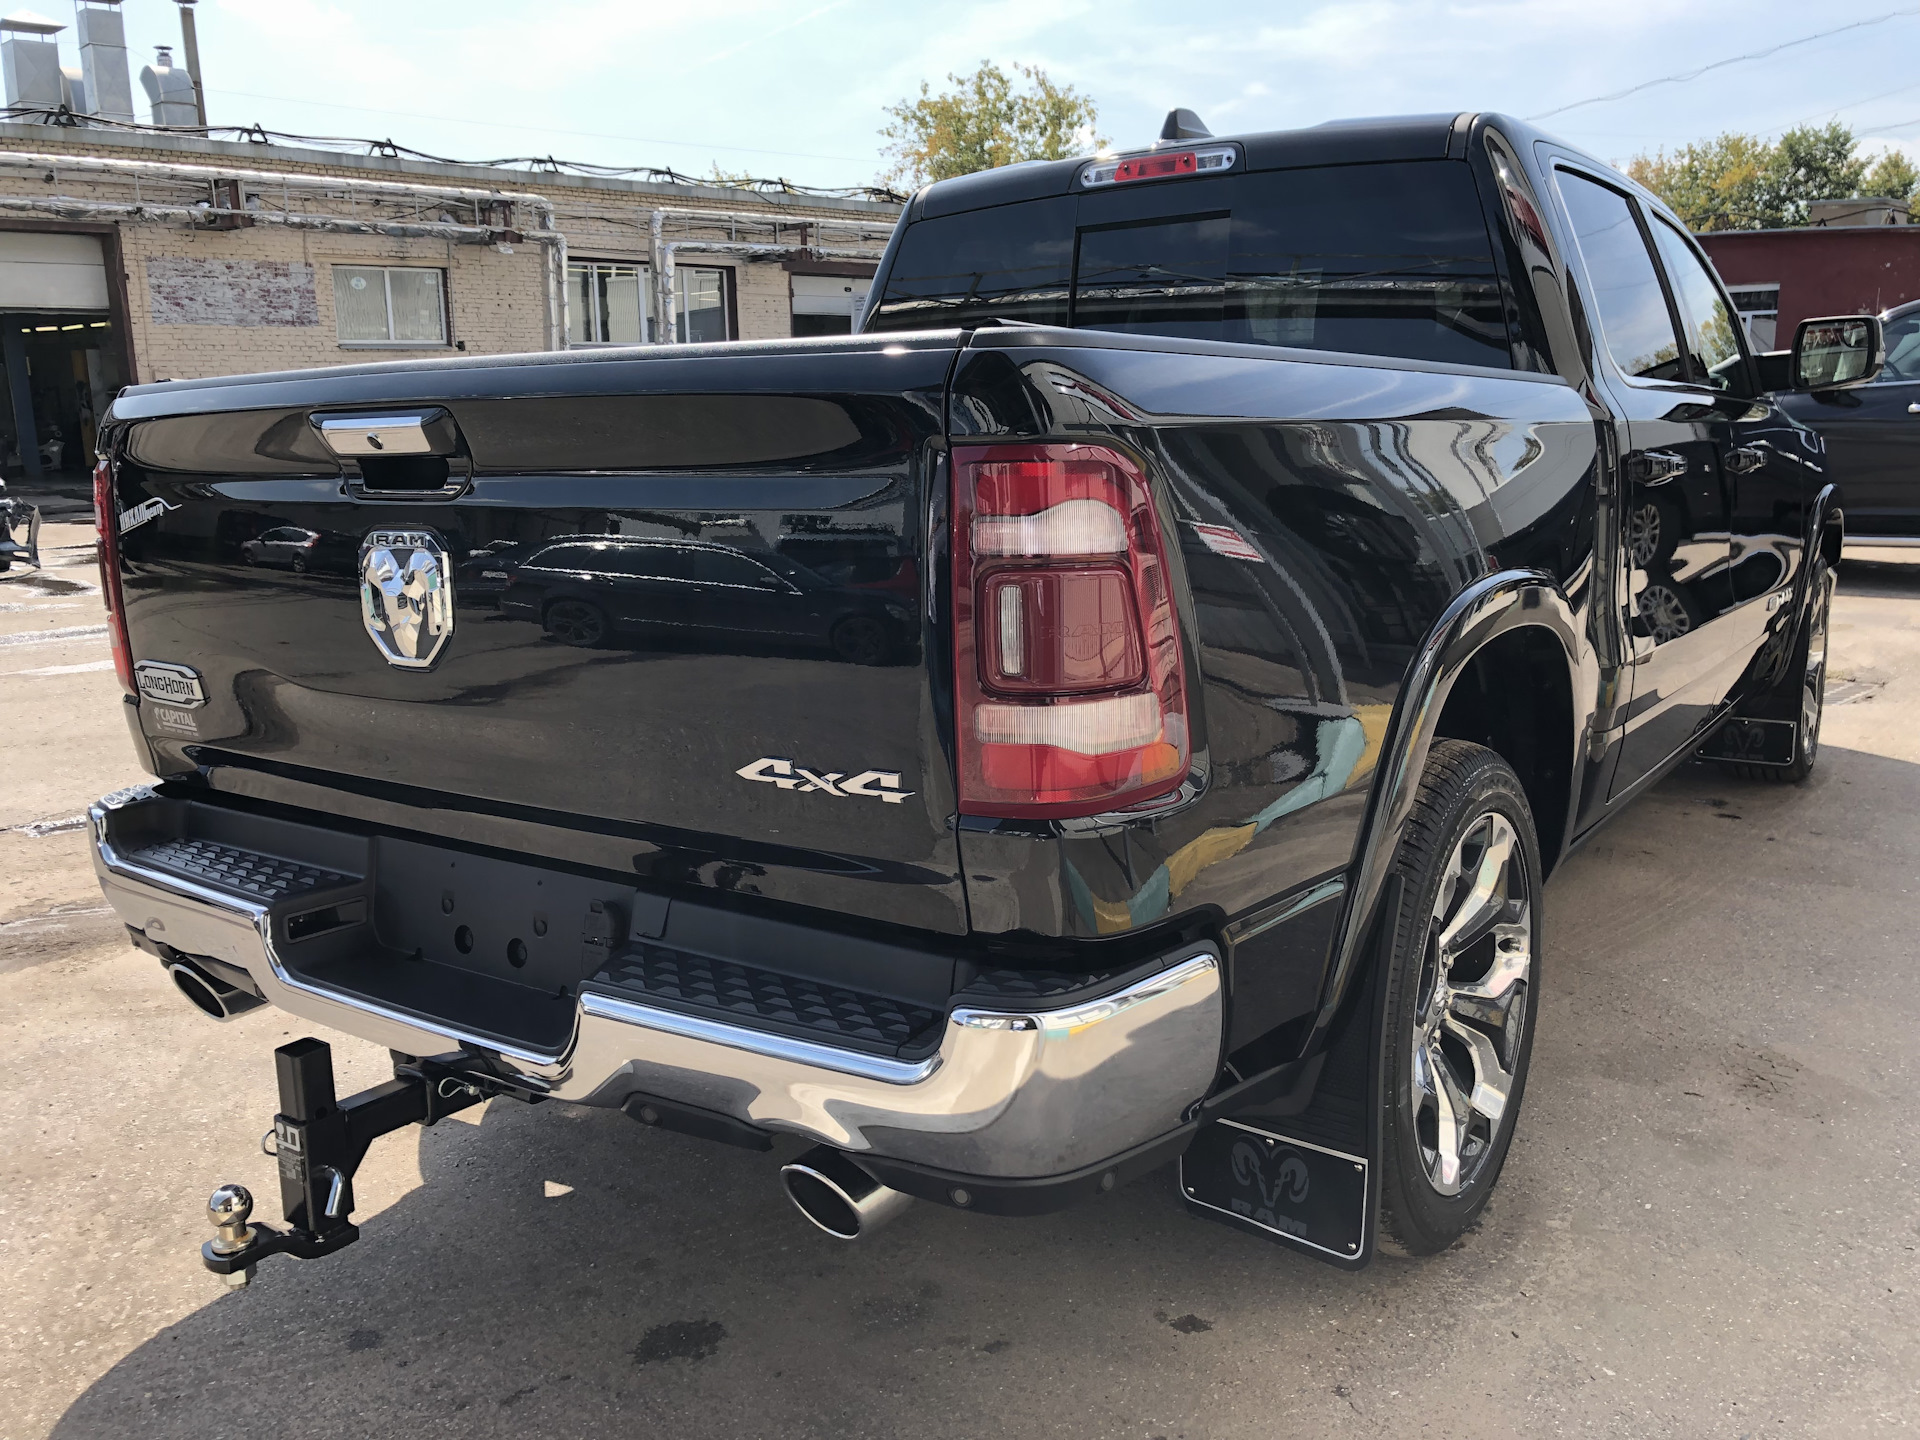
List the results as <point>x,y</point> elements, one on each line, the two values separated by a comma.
<point>1707,1227</point>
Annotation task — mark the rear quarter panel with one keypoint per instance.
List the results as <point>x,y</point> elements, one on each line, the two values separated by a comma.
<point>1326,512</point>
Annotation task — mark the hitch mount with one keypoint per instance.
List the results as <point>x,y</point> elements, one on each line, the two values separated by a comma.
<point>320,1141</point>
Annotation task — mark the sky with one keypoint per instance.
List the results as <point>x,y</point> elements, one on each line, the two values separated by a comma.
<point>798,88</point>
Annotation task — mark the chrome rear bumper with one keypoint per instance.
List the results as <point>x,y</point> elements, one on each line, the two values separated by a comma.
<point>1009,1093</point>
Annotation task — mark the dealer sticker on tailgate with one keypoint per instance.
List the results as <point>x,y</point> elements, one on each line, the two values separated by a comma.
<point>167,684</point>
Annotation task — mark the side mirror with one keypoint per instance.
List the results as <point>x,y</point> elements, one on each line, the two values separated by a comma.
<point>1837,352</point>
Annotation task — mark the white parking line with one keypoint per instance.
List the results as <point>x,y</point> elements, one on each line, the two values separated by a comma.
<point>47,637</point>
<point>85,669</point>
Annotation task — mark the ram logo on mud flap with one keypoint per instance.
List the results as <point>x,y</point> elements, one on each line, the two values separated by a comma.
<point>406,596</point>
<point>1288,1187</point>
<point>867,785</point>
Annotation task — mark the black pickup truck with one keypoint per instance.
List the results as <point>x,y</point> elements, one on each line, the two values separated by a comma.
<point>1273,554</point>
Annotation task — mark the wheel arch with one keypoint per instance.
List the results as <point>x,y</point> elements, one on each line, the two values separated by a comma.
<point>1514,695</point>
<point>1512,617</point>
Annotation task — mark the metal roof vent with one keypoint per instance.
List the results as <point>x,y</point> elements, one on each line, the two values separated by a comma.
<point>169,90</point>
<point>30,58</point>
<point>1183,124</point>
<point>108,88</point>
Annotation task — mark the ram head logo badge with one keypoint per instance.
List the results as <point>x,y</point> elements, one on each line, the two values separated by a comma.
<point>406,596</point>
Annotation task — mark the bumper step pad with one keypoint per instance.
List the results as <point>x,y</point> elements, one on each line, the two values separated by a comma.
<point>676,980</point>
<point>265,878</point>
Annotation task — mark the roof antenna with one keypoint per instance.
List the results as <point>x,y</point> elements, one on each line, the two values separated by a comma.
<point>1183,124</point>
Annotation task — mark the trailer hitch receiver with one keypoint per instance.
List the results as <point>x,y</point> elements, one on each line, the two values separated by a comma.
<point>320,1141</point>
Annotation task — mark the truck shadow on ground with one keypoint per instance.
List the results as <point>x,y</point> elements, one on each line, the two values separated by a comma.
<point>566,1272</point>
<point>1881,579</point>
<point>561,1268</point>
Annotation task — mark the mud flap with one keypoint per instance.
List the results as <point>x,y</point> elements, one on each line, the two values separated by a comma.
<point>1754,742</point>
<point>1304,1172</point>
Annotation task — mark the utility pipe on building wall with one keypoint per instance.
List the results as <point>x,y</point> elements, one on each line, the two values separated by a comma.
<point>278,179</point>
<point>190,42</point>
<point>662,253</point>
<point>547,234</point>
<point>559,321</point>
<point>552,241</point>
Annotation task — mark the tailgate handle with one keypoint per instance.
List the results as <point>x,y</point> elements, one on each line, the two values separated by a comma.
<point>417,432</point>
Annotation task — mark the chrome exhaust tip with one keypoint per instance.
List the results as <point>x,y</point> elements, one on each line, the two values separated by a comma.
<point>210,995</point>
<point>838,1196</point>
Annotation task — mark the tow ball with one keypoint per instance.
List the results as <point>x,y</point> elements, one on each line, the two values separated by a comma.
<point>320,1141</point>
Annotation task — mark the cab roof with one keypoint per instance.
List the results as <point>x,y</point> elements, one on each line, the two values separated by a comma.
<point>1334,142</point>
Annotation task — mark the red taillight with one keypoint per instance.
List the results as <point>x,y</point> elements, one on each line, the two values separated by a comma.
<point>1068,682</point>
<point>106,526</point>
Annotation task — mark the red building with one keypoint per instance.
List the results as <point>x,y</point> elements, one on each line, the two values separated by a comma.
<point>1780,277</point>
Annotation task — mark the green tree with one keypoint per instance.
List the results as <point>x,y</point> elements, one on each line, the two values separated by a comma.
<point>1741,182</point>
<point>1894,176</point>
<point>984,122</point>
<point>1718,184</point>
<point>1813,164</point>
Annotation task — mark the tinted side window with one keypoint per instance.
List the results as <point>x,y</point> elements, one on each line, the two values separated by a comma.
<point>1626,288</point>
<point>723,567</point>
<point>653,562</point>
<point>1903,348</point>
<point>1011,261</point>
<point>568,557</point>
<point>1709,323</point>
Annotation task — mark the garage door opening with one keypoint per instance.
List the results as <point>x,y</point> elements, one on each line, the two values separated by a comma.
<point>62,351</point>
<point>826,304</point>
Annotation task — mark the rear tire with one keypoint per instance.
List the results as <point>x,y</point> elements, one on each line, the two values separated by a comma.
<point>1462,994</point>
<point>861,640</point>
<point>575,622</point>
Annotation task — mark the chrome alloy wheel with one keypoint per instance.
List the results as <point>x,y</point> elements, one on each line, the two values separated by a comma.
<point>1472,1003</point>
<point>1666,618</point>
<point>1643,535</point>
<point>1813,689</point>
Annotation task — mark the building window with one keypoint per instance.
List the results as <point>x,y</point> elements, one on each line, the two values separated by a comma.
<point>384,305</point>
<point>826,304</point>
<point>700,305</point>
<point>608,303</point>
<point>611,303</point>
<point>1758,307</point>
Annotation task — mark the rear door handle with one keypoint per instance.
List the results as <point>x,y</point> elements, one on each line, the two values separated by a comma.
<point>1746,459</point>
<point>1656,467</point>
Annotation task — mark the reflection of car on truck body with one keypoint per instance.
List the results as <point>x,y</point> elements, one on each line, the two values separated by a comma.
<point>1872,435</point>
<point>1259,518</point>
<point>591,589</point>
<point>290,545</point>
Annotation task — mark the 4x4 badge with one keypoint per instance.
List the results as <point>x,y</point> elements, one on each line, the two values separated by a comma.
<point>868,784</point>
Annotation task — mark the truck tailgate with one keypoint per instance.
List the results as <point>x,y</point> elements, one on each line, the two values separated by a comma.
<point>657,611</point>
